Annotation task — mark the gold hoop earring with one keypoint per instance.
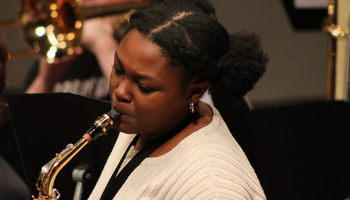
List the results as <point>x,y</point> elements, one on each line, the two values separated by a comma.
<point>192,107</point>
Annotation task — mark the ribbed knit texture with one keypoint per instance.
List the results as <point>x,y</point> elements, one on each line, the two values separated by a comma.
<point>208,164</point>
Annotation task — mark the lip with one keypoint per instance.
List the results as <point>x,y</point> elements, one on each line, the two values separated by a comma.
<point>120,110</point>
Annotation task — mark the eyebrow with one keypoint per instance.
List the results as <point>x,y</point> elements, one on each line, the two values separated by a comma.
<point>139,76</point>
<point>117,58</point>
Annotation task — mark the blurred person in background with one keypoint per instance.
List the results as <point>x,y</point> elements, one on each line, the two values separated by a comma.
<point>87,72</point>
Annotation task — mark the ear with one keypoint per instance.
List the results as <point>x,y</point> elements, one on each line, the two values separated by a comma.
<point>198,89</point>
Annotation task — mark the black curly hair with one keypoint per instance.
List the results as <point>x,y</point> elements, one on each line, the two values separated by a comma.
<point>194,41</point>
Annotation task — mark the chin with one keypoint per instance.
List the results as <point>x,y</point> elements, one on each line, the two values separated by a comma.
<point>124,128</point>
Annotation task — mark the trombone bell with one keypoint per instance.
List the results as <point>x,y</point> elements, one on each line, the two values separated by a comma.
<point>53,28</point>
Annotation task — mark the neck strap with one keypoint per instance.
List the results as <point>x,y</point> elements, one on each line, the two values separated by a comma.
<point>116,181</point>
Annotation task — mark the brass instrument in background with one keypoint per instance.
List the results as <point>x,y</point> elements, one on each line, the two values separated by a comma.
<point>53,28</point>
<point>50,170</point>
<point>337,75</point>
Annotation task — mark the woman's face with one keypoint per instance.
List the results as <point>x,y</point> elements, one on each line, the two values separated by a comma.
<point>148,93</point>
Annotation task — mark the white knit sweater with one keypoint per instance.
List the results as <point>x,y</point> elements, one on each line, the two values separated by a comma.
<point>208,164</point>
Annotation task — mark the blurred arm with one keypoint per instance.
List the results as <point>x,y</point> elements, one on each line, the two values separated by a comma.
<point>98,38</point>
<point>48,76</point>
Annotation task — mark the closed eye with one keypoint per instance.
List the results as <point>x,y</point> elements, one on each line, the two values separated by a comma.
<point>145,89</point>
<point>118,70</point>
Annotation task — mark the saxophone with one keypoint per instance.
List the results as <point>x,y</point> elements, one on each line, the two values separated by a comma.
<point>50,170</point>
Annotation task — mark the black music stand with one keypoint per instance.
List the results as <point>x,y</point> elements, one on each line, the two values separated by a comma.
<point>41,125</point>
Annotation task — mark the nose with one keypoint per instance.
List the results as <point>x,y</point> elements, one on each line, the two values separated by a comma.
<point>123,91</point>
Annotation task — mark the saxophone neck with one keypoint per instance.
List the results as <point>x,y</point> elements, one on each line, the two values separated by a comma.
<point>50,170</point>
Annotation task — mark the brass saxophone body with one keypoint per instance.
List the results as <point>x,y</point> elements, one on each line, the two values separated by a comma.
<point>50,170</point>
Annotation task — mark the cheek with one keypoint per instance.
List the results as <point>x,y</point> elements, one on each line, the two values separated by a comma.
<point>113,83</point>
<point>159,113</point>
<point>111,88</point>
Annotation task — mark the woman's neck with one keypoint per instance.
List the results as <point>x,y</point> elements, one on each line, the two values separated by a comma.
<point>192,123</point>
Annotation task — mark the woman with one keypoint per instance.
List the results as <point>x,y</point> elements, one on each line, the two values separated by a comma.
<point>171,145</point>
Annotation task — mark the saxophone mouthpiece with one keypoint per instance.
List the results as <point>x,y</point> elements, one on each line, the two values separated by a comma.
<point>103,124</point>
<point>114,115</point>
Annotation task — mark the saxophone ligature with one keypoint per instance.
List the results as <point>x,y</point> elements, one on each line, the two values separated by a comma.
<point>50,170</point>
